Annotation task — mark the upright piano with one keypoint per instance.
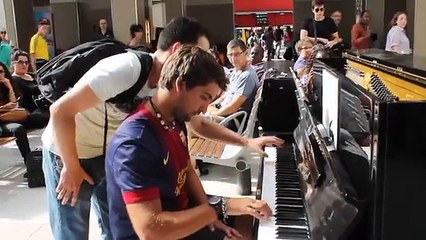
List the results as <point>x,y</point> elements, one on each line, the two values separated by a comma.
<point>306,186</point>
<point>381,151</point>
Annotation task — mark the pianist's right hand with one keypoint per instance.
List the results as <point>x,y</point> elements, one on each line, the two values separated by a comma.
<point>247,206</point>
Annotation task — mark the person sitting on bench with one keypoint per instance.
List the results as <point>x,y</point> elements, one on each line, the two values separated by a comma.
<point>242,87</point>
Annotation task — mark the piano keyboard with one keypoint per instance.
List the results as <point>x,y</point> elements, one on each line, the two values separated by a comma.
<point>282,191</point>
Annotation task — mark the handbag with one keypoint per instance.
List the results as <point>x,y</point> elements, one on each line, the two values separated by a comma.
<point>16,115</point>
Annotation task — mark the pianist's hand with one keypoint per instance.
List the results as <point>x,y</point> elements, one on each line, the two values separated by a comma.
<point>247,206</point>
<point>257,144</point>
<point>229,231</point>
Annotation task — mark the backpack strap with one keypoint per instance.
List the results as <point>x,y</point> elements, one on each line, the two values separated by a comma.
<point>105,130</point>
<point>127,96</point>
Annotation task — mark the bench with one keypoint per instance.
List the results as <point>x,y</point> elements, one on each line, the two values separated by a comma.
<point>214,152</point>
<point>4,140</point>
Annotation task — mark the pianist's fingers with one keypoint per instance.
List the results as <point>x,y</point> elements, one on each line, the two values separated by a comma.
<point>260,209</point>
<point>273,141</point>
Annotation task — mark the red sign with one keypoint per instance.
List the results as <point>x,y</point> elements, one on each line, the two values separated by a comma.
<point>263,5</point>
<point>274,19</point>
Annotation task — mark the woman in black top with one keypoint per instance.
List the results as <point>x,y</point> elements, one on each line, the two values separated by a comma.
<point>326,30</point>
<point>7,98</point>
<point>27,88</point>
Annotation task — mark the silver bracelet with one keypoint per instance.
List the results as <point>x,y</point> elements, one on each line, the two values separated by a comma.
<point>224,206</point>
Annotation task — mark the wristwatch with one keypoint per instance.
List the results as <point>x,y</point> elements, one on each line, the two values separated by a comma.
<point>216,203</point>
<point>220,204</point>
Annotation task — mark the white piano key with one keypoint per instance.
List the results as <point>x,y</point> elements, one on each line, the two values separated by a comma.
<point>266,229</point>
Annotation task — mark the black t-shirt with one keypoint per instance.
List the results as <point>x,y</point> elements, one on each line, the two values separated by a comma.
<point>26,90</point>
<point>325,28</point>
<point>278,34</point>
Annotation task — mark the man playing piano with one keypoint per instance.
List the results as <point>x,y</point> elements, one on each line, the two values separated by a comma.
<point>153,193</point>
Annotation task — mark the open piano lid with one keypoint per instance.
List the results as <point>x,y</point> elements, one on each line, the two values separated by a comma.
<point>330,199</point>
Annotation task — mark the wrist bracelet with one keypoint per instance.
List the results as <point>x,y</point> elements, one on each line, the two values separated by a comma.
<point>224,205</point>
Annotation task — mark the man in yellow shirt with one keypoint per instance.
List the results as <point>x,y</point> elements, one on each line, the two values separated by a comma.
<point>38,45</point>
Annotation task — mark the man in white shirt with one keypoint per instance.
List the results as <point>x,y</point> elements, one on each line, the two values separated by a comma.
<point>73,142</point>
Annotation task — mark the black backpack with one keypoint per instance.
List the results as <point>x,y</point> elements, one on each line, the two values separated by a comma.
<point>60,74</point>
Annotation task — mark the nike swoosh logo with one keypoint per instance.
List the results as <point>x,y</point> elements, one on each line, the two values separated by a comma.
<point>166,159</point>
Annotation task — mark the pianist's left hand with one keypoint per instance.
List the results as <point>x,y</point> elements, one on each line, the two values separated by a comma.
<point>247,206</point>
<point>229,231</point>
<point>257,144</point>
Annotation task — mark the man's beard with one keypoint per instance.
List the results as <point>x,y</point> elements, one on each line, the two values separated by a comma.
<point>181,116</point>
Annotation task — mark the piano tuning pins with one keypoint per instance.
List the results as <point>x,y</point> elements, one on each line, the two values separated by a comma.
<point>380,89</point>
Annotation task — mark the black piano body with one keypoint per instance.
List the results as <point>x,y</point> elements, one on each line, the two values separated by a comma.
<point>390,179</point>
<point>309,184</point>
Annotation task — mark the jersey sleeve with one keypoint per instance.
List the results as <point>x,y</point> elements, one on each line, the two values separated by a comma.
<point>136,169</point>
<point>113,75</point>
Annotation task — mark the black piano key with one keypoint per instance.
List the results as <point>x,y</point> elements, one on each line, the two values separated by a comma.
<point>294,211</point>
<point>287,193</point>
<point>293,233</point>
<point>287,201</point>
<point>291,221</point>
<point>290,215</point>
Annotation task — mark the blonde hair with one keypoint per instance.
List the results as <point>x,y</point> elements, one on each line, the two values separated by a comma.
<point>302,42</point>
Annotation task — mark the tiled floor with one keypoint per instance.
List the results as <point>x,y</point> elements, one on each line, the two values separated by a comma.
<point>23,210</point>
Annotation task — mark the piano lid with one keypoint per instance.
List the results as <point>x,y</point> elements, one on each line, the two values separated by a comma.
<point>401,62</point>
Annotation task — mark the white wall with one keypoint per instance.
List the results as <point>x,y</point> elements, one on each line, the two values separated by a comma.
<point>419,26</point>
<point>123,14</point>
<point>158,14</point>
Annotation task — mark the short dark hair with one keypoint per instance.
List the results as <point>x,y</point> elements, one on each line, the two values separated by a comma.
<point>20,53</point>
<point>195,66</point>
<point>135,28</point>
<point>237,43</point>
<point>181,29</point>
<point>363,12</point>
<point>317,3</point>
<point>43,21</point>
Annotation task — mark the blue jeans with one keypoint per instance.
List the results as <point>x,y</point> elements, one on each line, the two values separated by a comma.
<point>69,223</point>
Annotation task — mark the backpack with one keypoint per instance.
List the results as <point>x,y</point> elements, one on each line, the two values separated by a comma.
<point>60,74</point>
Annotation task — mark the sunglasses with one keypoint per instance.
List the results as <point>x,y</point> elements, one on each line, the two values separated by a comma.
<point>1,71</point>
<point>23,62</point>
<point>3,32</point>
<point>319,10</point>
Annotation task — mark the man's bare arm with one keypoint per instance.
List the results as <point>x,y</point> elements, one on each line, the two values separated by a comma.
<point>215,131</point>
<point>150,222</point>
<point>33,61</point>
<point>63,112</point>
<point>193,182</point>
<point>232,107</point>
